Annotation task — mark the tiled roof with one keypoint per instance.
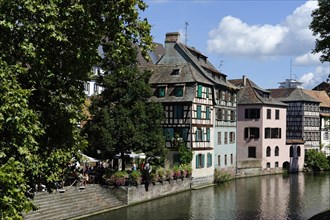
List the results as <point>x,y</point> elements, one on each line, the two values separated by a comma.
<point>250,94</point>
<point>291,95</point>
<point>321,96</point>
<point>163,74</point>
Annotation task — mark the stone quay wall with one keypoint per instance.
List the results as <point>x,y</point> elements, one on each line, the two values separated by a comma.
<point>136,194</point>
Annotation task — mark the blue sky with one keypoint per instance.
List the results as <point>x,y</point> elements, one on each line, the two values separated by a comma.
<point>258,38</point>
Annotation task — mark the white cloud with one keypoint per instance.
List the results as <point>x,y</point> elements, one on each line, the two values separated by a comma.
<point>307,59</point>
<point>292,37</point>
<point>311,79</point>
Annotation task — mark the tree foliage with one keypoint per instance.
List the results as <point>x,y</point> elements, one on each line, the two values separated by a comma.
<point>321,28</point>
<point>47,49</point>
<point>123,118</point>
<point>315,160</point>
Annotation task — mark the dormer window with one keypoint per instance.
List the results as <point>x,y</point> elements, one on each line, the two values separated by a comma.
<point>161,91</point>
<point>175,72</point>
<point>178,91</point>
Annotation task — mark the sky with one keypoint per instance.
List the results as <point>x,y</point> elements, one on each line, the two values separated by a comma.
<point>267,41</point>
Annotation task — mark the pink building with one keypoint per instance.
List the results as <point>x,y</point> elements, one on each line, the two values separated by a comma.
<point>261,132</point>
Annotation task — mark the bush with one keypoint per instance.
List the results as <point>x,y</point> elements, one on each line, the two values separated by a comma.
<point>161,174</point>
<point>136,177</point>
<point>177,172</point>
<point>187,169</point>
<point>118,178</point>
<point>316,161</point>
<point>220,177</point>
<point>169,174</point>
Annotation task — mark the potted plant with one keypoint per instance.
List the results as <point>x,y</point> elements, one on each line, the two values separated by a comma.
<point>135,177</point>
<point>118,178</point>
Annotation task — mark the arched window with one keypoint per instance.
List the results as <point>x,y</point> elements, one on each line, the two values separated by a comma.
<point>277,151</point>
<point>291,151</point>
<point>298,151</point>
<point>268,152</point>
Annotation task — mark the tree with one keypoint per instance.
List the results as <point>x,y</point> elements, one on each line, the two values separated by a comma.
<point>315,160</point>
<point>123,119</point>
<point>55,43</point>
<point>321,28</point>
<point>19,128</point>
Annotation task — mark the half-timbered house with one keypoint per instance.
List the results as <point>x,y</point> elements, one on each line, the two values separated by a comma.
<point>184,81</point>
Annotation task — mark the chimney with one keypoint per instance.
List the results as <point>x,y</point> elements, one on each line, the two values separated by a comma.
<point>172,37</point>
<point>244,80</point>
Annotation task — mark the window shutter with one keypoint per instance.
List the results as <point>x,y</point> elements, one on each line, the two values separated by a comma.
<point>185,134</point>
<point>197,161</point>
<point>207,112</point>
<point>196,139</point>
<point>207,92</point>
<point>202,130</point>
<point>199,91</point>
<point>203,160</point>
<point>208,134</point>
<point>199,111</point>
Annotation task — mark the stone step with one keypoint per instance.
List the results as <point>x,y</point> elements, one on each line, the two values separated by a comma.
<point>73,203</point>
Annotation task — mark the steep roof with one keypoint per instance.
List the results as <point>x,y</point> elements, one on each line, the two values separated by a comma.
<point>321,96</point>
<point>291,95</point>
<point>206,67</point>
<point>250,93</point>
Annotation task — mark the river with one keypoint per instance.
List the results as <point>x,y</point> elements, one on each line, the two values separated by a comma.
<point>294,196</point>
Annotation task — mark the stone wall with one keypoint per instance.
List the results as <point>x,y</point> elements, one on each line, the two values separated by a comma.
<point>135,194</point>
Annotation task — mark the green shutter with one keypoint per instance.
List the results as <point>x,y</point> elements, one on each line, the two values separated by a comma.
<point>210,159</point>
<point>161,91</point>
<point>197,161</point>
<point>196,139</point>
<point>207,92</point>
<point>202,130</point>
<point>203,160</point>
<point>185,134</point>
<point>208,134</point>
<point>199,91</point>
<point>199,111</point>
<point>207,112</point>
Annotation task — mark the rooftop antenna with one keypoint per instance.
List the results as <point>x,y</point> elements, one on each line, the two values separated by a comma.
<point>186,34</point>
<point>221,64</point>
<point>290,69</point>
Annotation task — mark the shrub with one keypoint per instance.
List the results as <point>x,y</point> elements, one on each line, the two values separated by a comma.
<point>177,172</point>
<point>161,174</point>
<point>187,169</point>
<point>220,177</point>
<point>136,177</point>
<point>169,174</point>
<point>118,178</point>
<point>316,161</point>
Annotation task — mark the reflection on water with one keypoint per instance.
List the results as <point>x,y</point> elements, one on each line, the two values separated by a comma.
<point>297,196</point>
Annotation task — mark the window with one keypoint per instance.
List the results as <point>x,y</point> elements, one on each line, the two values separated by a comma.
<point>231,159</point>
<point>219,114</point>
<point>208,134</point>
<point>209,159</point>
<point>232,115</point>
<point>273,133</point>
<point>251,133</point>
<point>200,158</point>
<point>252,152</point>
<point>219,137</point>
<point>268,165</point>
<point>161,91</point>
<point>199,134</point>
<point>178,91</point>
<point>96,88</point>
<point>298,151</point>
<point>178,111</point>
<point>276,164</point>
<point>268,151</point>
<point>207,112</point>
<point>269,113</point>
<point>226,138</point>
<point>86,87</point>
<point>199,91</point>
<point>277,114</point>
<point>291,151</point>
<point>277,151</point>
<point>252,113</point>
<point>199,112</point>
<point>219,160</point>
<point>231,137</point>
<point>168,133</point>
<point>175,72</point>
<point>225,159</point>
